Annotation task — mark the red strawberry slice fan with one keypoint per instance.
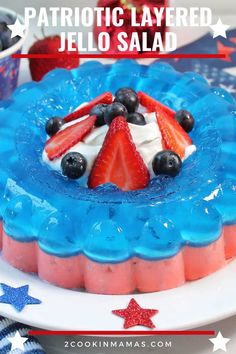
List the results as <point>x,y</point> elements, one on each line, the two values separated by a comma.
<point>127,5</point>
<point>118,161</point>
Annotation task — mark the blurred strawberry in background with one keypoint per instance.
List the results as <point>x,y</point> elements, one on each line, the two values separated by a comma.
<point>51,45</point>
<point>127,5</point>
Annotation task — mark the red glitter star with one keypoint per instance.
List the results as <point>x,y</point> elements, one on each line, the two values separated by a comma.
<point>135,315</point>
<point>223,49</point>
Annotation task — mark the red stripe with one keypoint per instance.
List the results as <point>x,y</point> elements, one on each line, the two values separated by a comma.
<point>121,56</point>
<point>120,333</point>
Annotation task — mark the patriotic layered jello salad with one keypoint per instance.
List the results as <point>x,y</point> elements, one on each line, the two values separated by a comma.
<point>117,178</point>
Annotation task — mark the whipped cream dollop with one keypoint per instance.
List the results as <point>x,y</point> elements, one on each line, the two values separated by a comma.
<point>147,138</point>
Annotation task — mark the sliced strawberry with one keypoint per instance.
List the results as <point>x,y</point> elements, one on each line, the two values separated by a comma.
<point>68,137</point>
<point>153,105</point>
<point>173,136</point>
<point>118,161</point>
<point>83,111</point>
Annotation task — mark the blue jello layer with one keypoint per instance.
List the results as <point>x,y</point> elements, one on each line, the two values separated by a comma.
<point>106,224</point>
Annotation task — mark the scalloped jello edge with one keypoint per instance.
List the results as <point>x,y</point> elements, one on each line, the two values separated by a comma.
<point>77,272</point>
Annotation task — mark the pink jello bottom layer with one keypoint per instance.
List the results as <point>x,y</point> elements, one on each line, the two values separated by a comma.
<point>135,274</point>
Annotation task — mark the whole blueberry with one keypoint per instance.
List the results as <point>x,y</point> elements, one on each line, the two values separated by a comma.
<point>124,89</point>
<point>185,119</point>
<point>129,99</point>
<point>73,165</point>
<point>114,110</point>
<point>166,162</point>
<point>99,111</point>
<point>136,118</point>
<point>53,125</point>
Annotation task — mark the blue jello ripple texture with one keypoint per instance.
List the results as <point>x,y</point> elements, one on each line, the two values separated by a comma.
<point>106,224</point>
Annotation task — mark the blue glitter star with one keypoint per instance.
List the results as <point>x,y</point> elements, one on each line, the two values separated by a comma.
<point>17,297</point>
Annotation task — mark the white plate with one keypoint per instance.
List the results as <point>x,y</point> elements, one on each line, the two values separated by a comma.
<point>195,304</point>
